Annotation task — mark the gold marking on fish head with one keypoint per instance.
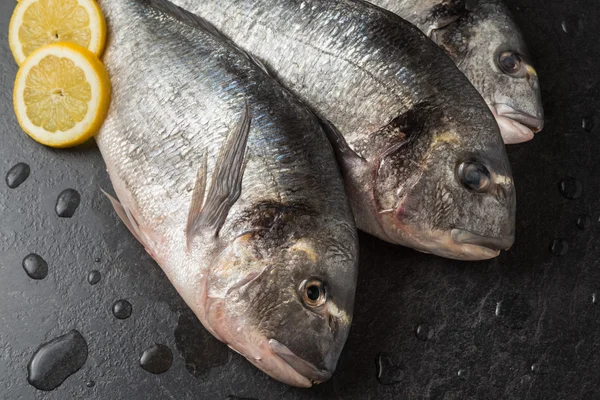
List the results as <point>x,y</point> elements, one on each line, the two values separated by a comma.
<point>503,180</point>
<point>340,315</point>
<point>305,246</point>
<point>531,71</point>
<point>447,137</point>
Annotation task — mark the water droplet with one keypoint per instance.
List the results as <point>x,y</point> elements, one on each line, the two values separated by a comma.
<point>387,372</point>
<point>199,349</point>
<point>513,311</point>
<point>90,384</point>
<point>572,25</point>
<point>570,188</point>
<point>35,266</point>
<point>588,124</point>
<point>424,332</point>
<point>559,247</point>
<point>157,359</point>
<point>67,203</point>
<point>584,222</point>
<point>17,175</point>
<point>462,373</point>
<point>55,361</point>
<point>594,298</point>
<point>97,260</point>
<point>122,309</point>
<point>94,277</point>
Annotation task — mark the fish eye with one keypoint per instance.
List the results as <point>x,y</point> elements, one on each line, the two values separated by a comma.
<point>474,176</point>
<point>510,63</point>
<point>313,292</point>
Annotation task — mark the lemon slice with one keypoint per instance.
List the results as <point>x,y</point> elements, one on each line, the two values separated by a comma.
<point>36,23</point>
<point>61,95</point>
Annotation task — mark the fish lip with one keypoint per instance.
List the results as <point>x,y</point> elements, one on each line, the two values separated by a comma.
<point>463,236</point>
<point>440,243</point>
<point>252,345</point>
<point>531,122</point>
<point>303,367</point>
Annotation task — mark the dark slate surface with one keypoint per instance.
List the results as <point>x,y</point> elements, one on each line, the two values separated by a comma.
<point>523,326</point>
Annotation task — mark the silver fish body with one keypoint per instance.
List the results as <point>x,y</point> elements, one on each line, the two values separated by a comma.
<point>232,187</point>
<point>408,121</point>
<point>486,44</point>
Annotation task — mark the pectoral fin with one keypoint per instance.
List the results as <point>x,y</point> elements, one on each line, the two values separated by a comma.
<point>207,215</point>
<point>344,154</point>
<point>197,198</point>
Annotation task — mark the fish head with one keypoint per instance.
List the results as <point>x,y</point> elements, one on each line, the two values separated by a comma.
<point>448,190</point>
<point>283,296</point>
<point>489,49</point>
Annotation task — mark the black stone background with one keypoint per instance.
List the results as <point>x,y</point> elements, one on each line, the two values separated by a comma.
<point>543,344</point>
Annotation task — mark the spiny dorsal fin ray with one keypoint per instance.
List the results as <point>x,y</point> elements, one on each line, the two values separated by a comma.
<point>226,183</point>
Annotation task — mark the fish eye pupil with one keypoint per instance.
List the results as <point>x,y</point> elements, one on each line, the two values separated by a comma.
<point>313,292</point>
<point>474,176</point>
<point>509,62</point>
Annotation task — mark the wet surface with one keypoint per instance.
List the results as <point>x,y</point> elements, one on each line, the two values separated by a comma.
<point>94,277</point>
<point>157,359</point>
<point>571,188</point>
<point>522,326</point>
<point>56,360</point>
<point>17,175</point>
<point>35,267</point>
<point>122,309</point>
<point>388,373</point>
<point>67,203</point>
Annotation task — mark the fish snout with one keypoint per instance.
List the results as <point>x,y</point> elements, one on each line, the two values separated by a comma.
<point>304,367</point>
<point>494,243</point>
<point>517,126</point>
<point>533,122</point>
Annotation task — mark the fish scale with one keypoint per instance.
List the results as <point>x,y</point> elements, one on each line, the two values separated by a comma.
<point>403,119</point>
<point>474,34</point>
<point>199,142</point>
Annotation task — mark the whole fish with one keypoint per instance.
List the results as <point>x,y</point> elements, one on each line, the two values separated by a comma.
<point>422,155</point>
<point>488,47</point>
<point>231,185</point>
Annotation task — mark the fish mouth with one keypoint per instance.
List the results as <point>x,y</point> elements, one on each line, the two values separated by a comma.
<point>496,244</point>
<point>303,367</point>
<point>453,244</point>
<point>516,126</point>
<point>268,355</point>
